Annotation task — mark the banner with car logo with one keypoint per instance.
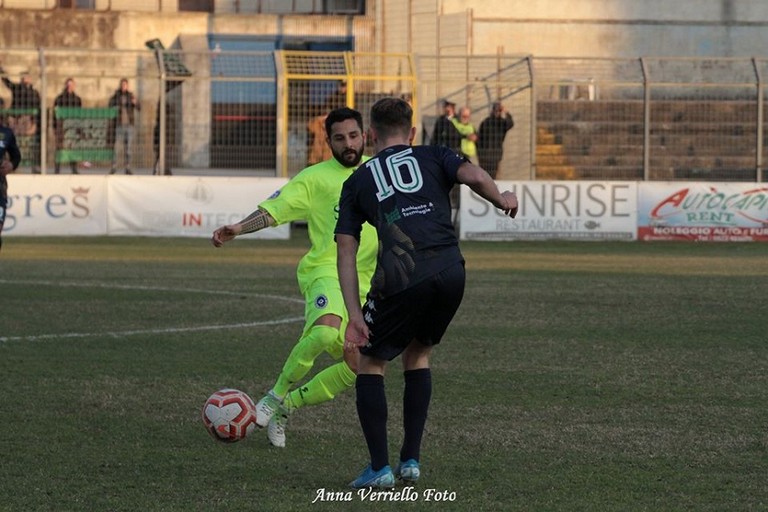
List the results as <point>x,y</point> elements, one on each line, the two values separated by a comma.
<point>713,212</point>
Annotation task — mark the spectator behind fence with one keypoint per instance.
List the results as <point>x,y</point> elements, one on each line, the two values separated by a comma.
<point>319,151</point>
<point>122,126</point>
<point>66,99</point>
<point>467,132</point>
<point>25,97</point>
<point>338,98</point>
<point>445,133</point>
<point>490,144</point>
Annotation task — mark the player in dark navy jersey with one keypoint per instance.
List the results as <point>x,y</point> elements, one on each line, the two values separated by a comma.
<point>419,281</point>
<point>7,146</point>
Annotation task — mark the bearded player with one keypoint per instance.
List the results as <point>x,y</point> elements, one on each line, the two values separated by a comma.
<point>313,196</point>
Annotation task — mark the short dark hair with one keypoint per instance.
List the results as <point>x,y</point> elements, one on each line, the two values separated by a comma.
<point>391,116</point>
<point>342,114</point>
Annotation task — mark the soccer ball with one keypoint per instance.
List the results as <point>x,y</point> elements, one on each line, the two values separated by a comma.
<point>229,415</point>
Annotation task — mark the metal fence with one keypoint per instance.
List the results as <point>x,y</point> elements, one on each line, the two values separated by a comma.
<point>260,113</point>
<point>313,83</point>
<point>476,83</point>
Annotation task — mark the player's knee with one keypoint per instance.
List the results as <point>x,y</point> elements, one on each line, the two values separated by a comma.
<point>320,338</point>
<point>416,356</point>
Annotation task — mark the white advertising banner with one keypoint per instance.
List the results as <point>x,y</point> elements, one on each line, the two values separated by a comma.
<point>189,206</point>
<point>567,210</point>
<point>63,205</point>
<point>711,212</point>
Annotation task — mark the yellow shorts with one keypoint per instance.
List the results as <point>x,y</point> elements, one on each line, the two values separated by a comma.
<point>323,297</point>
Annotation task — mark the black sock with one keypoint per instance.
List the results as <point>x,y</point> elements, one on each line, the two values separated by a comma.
<point>416,397</point>
<point>372,411</point>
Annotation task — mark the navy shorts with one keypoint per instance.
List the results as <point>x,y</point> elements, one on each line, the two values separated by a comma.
<point>421,313</point>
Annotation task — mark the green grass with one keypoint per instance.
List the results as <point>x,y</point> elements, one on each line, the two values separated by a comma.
<point>576,376</point>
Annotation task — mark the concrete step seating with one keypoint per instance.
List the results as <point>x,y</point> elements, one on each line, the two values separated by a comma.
<point>690,139</point>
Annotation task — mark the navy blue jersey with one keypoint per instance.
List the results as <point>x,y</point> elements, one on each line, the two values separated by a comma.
<point>404,193</point>
<point>7,145</point>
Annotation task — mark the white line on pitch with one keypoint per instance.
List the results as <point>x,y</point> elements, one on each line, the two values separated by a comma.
<point>147,288</point>
<point>169,330</point>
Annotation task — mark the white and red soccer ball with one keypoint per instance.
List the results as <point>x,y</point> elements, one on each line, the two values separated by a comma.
<point>229,415</point>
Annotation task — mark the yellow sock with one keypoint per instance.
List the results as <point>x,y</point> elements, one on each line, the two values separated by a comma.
<point>322,387</point>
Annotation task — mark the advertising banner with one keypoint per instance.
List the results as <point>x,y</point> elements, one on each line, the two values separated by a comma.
<point>63,205</point>
<point>714,212</point>
<point>187,205</point>
<point>56,205</point>
<point>554,210</point>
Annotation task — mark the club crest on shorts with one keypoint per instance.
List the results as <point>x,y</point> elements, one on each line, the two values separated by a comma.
<point>321,301</point>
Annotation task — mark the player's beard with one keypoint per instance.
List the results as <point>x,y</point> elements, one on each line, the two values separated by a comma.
<point>349,157</point>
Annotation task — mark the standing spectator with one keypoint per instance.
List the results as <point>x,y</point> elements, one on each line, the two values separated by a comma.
<point>490,144</point>
<point>468,136</point>
<point>67,99</point>
<point>338,98</point>
<point>25,97</point>
<point>319,151</point>
<point>419,280</point>
<point>125,102</point>
<point>445,133</point>
<point>7,145</point>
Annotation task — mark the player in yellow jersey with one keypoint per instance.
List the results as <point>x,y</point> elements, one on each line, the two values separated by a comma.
<point>313,196</point>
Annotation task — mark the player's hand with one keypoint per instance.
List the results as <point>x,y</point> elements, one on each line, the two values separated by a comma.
<point>225,234</point>
<point>511,203</point>
<point>356,335</point>
<point>6,167</point>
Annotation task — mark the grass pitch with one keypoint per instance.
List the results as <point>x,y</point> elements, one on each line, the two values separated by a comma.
<point>576,376</point>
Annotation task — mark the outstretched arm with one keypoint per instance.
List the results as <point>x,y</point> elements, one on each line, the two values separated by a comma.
<point>256,221</point>
<point>482,184</point>
<point>6,80</point>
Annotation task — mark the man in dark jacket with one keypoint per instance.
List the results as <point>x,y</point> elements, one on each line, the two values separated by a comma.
<point>445,133</point>
<point>67,99</point>
<point>125,102</point>
<point>23,95</point>
<point>26,97</point>
<point>491,135</point>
